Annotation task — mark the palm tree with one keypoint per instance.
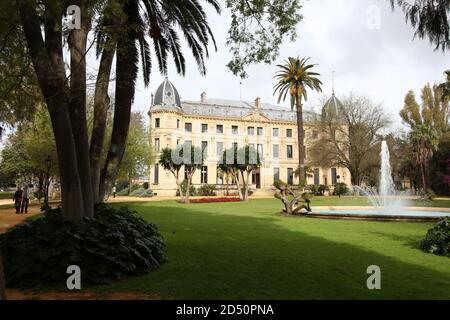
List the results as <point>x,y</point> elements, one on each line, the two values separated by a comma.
<point>295,77</point>
<point>425,141</point>
<point>161,19</point>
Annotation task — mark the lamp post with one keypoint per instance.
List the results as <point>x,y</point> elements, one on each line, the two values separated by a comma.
<point>48,163</point>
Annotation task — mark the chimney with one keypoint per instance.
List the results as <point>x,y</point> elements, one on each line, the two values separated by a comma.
<point>258,102</point>
<point>203,97</point>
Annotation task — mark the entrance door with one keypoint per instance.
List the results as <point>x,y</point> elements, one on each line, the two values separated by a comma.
<point>256,179</point>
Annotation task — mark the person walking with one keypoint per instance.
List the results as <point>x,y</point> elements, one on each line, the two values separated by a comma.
<point>17,199</point>
<point>114,191</point>
<point>25,199</point>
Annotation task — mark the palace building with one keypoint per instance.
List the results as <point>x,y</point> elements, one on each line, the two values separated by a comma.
<point>216,125</point>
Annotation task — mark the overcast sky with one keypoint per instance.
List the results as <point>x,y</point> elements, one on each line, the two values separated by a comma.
<point>372,57</point>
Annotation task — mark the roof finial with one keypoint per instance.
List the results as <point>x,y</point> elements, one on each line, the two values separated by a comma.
<point>332,80</point>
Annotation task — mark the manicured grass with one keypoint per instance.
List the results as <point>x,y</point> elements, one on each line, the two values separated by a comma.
<point>249,251</point>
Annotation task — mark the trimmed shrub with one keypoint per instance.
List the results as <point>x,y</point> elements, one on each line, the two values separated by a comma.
<point>123,192</point>
<point>437,240</point>
<point>340,189</point>
<point>193,191</point>
<point>115,244</point>
<point>206,190</point>
<point>145,185</point>
<point>122,184</point>
<point>141,192</point>
<point>6,195</point>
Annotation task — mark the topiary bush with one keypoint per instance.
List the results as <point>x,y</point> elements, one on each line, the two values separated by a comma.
<point>437,240</point>
<point>192,189</point>
<point>115,244</point>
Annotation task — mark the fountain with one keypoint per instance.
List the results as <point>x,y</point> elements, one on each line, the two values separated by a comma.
<point>386,198</point>
<point>387,202</point>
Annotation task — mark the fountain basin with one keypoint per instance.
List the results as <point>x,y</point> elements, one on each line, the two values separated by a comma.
<point>378,214</point>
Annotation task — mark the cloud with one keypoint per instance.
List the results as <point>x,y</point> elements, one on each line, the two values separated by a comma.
<point>382,63</point>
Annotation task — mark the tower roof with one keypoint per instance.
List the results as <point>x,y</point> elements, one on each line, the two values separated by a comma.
<point>167,94</point>
<point>332,107</point>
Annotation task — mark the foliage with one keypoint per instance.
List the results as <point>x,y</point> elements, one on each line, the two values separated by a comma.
<point>6,195</point>
<point>115,244</point>
<point>257,31</point>
<point>216,199</point>
<point>440,166</point>
<point>145,185</point>
<point>294,77</point>
<point>437,239</point>
<point>349,140</point>
<point>192,189</point>
<point>292,198</point>
<point>141,192</point>
<point>429,18</point>
<point>341,189</point>
<point>19,91</point>
<point>445,86</point>
<point>206,190</point>
<point>240,163</point>
<point>138,153</point>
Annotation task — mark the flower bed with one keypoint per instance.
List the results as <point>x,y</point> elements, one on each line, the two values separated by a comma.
<point>219,199</point>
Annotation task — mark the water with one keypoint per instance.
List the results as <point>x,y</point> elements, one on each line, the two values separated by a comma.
<point>386,198</point>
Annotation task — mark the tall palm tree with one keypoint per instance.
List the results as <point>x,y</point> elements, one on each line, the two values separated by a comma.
<point>295,77</point>
<point>425,141</point>
<point>160,20</point>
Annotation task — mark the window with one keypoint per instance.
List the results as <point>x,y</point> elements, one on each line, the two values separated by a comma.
<point>157,122</point>
<point>219,128</point>
<point>290,176</point>
<point>188,127</point>
<point>178,123</point>
<point>289,133</point>
<point>219,149</point>
<point>204,127</point>
<point>157,144</point>
<point>276,174</point>
<point>178,141</point>
<point>259,131</point>
<point>156,174</point>
<point>289,152</point>
<point>333,176</point>
<point>275,132</point>
<point>260,150</point>
<point>204,174</point>
<point>316,176</point>
<point>235,145</point>
<point>205,148</point>
<point>234,130</point>
<point>251,131</point>
<point>276,151</point>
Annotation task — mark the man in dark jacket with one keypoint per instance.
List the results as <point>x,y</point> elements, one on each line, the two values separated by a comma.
<point>17,199</point>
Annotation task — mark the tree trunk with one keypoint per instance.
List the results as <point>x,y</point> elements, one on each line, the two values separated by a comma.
<point>2,280</point>
<point>300,137</point>
<point>77,105</point>
<point>126,71</point>
<point>236,177</point>
<point>424,181</point>
<point>180,190</point>
<point>48,63</point>
<point>101,105</point>
<point>188,189</point>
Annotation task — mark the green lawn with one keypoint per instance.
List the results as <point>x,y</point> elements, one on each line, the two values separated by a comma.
<point>249,251</point>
